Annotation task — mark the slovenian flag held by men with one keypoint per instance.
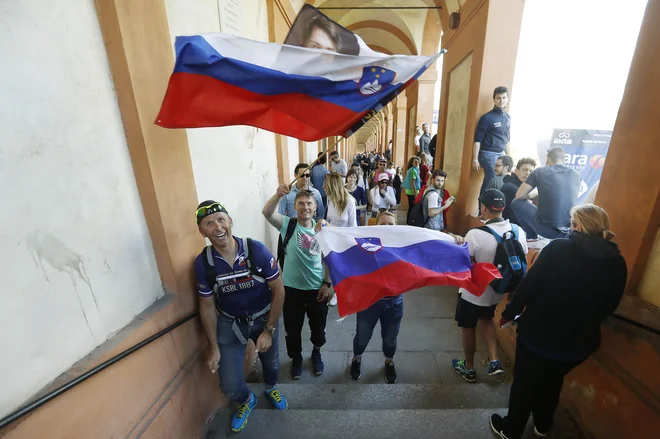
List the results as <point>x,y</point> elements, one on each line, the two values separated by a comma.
<point>369,263</point>
<point>310,94</point>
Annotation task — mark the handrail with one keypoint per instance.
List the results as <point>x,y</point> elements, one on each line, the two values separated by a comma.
<point>636,323</point>
<point>13,417</point>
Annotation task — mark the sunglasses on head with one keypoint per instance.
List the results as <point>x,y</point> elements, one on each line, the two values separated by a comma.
<point>207,210</point>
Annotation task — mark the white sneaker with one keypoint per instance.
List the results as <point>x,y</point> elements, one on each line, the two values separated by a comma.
<point>333,300</point>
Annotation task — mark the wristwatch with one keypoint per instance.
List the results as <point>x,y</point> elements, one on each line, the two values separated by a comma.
<point>327,284</point>
<point>269,329</point>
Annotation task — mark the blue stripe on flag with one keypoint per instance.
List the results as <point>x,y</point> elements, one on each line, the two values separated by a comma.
<point>195,55</point>
<point>438,256</point>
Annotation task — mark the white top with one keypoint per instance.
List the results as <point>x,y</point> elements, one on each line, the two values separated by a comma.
<point>379,202</point>
<point>416,140</point>
<point>339,168</point>
<point>434,201</point>
<point>347,218</point>
<point>482,247</point>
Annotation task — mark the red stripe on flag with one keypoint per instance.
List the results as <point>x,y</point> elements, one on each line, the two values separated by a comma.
<point>357,293</point>
<point>196,101</point>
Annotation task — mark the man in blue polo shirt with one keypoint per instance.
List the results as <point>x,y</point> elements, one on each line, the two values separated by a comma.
<point>491,138</point>
<point>241,298</point>
<point>286,205</point>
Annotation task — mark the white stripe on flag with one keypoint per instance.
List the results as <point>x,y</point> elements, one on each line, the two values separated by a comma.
<point>340,239</point>
<point>294,60</point>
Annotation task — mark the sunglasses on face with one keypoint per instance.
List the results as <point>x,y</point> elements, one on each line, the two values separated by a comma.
<point>207,210</point>
<point>307,175</point>
<point>382,182</point>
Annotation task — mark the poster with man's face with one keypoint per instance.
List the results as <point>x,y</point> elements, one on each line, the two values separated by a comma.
<point>315,30</point>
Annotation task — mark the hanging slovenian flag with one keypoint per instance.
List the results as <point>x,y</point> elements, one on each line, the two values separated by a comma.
<point>369,263</point>
<point>306,93</point>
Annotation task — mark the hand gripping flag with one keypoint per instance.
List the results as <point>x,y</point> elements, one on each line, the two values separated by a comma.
<point>369,263</point>
<point>306,93</point>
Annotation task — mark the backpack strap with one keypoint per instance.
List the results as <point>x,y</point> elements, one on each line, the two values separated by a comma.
<point>249,260</point>
<point>290,228</point>
<point>428,218</point>
<point>289,232</point>
<point>487,229</point>
<point>209,267</point>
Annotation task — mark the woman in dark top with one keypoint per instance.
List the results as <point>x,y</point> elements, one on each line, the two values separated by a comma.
<point>357,192</point>
<point>572,287</point>
<point>396,185</point>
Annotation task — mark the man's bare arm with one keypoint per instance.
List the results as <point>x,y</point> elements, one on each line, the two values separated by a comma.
<point>523,191</point>
<point>270,209</point>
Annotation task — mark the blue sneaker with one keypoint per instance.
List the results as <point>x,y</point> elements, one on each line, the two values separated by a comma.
<point>459,367</point>
<point>276,398</point>
<point>495,368</point>
<point>240,418</point>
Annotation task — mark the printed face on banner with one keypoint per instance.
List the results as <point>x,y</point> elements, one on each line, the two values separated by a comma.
<point>314,30</point>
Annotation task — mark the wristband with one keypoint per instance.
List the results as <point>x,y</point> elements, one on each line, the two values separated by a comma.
<point>475,161</point>
<point>327,284</point>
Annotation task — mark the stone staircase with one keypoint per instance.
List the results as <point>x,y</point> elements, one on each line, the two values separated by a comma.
<point>429,400</point>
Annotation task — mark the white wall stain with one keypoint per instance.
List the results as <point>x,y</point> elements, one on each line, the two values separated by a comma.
<point>48,248</point>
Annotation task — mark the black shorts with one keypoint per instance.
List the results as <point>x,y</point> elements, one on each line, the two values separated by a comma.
<point>468,314</point>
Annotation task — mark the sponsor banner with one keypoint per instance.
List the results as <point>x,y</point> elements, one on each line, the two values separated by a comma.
<point>586,151</point>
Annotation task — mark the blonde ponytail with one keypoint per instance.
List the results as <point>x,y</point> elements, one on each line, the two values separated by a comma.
<point>593,220</point>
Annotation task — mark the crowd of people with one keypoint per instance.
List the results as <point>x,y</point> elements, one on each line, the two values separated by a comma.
<point>244,288</point>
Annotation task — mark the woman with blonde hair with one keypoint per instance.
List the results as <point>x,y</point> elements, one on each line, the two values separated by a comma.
<point>342,210</point>
<point>575,283</point>
<point>341,205</point>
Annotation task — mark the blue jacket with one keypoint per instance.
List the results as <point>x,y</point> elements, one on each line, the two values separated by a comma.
<point>493,130</point>
<point>318,176</point>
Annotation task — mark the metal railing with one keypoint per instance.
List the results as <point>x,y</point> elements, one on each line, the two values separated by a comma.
<point>28,408</point>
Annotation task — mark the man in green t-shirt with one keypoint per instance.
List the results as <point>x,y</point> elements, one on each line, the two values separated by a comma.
<point>305,283</point>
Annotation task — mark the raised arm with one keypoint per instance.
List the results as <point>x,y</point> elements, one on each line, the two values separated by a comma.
<point>270,209</point>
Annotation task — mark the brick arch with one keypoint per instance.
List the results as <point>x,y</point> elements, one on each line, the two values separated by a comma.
<point>387,27</point>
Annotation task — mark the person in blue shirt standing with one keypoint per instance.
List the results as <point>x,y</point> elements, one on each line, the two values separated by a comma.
<point>491,138</point>
<point>319,171</point>
<point>303,175</point>
<point>241,298</point>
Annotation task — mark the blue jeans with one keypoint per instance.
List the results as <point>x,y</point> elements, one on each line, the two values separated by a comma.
<point>525,212</point>
<point>390,313</point>
<point>487,162</point>
<point>232,353</point>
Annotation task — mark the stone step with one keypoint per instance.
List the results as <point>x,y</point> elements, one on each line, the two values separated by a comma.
<point>412,368</point>
<point>357,396</point>
<point>359,424</point>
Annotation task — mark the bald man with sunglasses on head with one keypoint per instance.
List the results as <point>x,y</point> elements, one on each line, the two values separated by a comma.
<point>241,298</point>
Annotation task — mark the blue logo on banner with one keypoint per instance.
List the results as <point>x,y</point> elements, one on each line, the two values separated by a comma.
<point>374,79</point>
<point>371,245</point>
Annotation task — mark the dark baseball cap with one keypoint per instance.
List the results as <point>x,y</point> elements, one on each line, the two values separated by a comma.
<point>493,199</point>
<point>207,208</point>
